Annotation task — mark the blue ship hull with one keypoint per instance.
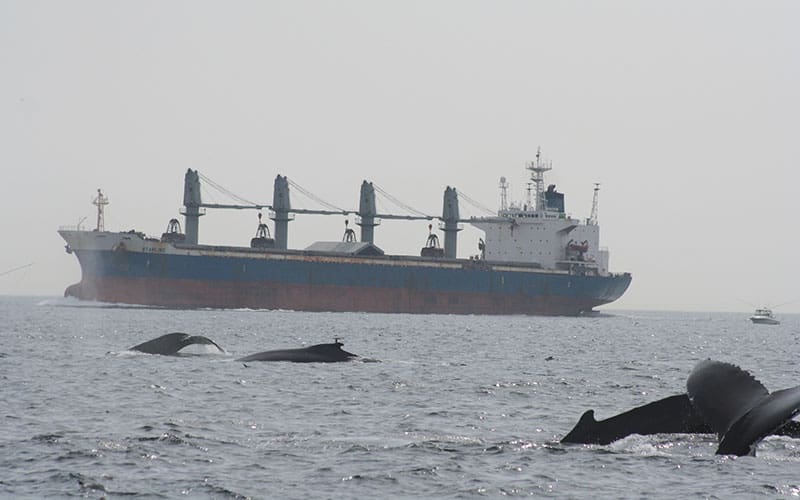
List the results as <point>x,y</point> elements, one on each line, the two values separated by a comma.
<point>217,277</point>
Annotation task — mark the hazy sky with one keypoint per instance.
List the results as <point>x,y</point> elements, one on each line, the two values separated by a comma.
<point>687,112</point>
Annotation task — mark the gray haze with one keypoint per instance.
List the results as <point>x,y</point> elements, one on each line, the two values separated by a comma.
<point>685,111</point>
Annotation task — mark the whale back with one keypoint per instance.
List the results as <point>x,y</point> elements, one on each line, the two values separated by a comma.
<point>319,353</point>
<point>673,414</point>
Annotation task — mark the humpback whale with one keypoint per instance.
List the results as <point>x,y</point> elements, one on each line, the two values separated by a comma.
<point>319,353</point>
<point>171,343</point>
<point>721,398</point>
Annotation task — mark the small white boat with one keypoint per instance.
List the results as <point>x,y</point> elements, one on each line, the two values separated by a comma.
<point>764,316</point>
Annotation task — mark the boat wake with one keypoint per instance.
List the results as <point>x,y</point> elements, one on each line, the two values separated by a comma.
<point>89,304</point>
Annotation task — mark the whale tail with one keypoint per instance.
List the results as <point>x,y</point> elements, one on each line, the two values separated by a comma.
<point>738,407</point>
<point>171,343</point>
<point>199,339</point>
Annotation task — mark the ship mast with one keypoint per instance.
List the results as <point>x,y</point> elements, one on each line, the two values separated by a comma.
<point>538,168</point>
<point>593,217</point>
<point>100,202</point>
<point>503,194</point>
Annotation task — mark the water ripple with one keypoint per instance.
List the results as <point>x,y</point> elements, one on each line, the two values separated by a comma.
<point>433,419</point>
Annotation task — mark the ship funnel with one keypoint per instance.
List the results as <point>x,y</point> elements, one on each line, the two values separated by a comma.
<point>191,203</point>
<point>367,212</point>
<point>280,211</point>
<point>450,218</point>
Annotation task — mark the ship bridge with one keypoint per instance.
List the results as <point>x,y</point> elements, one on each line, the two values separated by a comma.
<point>540,231</point>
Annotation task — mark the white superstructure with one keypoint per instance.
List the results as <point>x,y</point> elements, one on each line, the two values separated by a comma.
<point>539,231</point>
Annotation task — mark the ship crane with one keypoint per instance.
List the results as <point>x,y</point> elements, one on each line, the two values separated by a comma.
<point>305,211</point>
<point>282,212</point>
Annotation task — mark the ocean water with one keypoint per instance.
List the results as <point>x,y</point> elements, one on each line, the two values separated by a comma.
<point>456,407</point>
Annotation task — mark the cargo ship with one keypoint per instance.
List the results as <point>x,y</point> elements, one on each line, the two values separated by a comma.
<point>534,259</point>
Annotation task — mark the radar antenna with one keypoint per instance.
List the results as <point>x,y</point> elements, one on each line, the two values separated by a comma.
<point>593,217</point>
<point>100,202</point>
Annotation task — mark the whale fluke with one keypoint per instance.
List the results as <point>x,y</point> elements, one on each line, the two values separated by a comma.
<point>320,353</point>
<point>738,407</point>
<point>723,393</point>
<point>171,343</point>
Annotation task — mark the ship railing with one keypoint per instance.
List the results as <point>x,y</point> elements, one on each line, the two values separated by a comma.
<point>586,263</point>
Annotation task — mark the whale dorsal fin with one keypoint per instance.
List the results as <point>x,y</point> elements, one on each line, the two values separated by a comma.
<point>723,393</point>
